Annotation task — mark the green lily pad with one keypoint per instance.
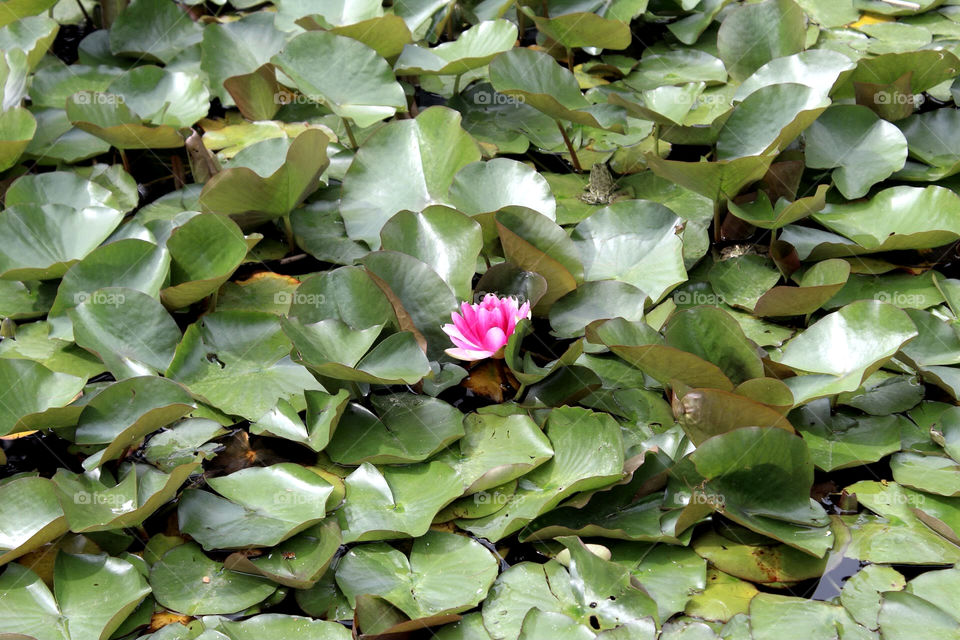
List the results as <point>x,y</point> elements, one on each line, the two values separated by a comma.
<point>752,505</point>
<point>574,467</point>
<point>924,69</point>
<point>644,348</point>
<point>153,29</point>
<point>405,428</point>
<point>904,615</point>
<point>126,411</point>
<point>25,300</point>
<point>506,279</point>
<point>344,74</point>
<point>835,345</point>
<point>761,213</point>
<point>44,240</point>
<point>33,342</point>
<point>496,449</point>
<point>236,48</point>
<point>239,362</point>
<point>715,180</point>
<point>593,301</point>
<point>347,294</point>
<point>933,474</point>
<point>298,562</point>
<point>186,581</point>
<point>17,128</point>
<point>596,593</point>
<point>135,264</point>
<point>862,592</point>
<point>787,109</point>
<point>863,148</point>
<point>128,330</point>
<point>417,293</point>
<point>742,280</point>
<point>107,116</point>
<point>38,391</point>
<point>252,198</point>
<point>95,593</point>
<point>442,238</point>
<point>636,242</point>
<point>162,97</point>
<point>279,625</point>
<point>260,506</point>
<point>331,348</point>
<point>712,334</point>
<point>378,182</point>
<point>897,533</point>
<point>704,413</point>
<point>842,440</point>
<point>770,612</point>
<point>535,243</point>
<point>762,562</point>
<point>475,47</point>
<point>204,252</point>
<point>182,442</point>
<point>724,597</point>
<point>582,29</point>
<point>817,68</point>
<point>485,187</point>
<point>32,516</point>
<point>745,41</point>
<point>817,285</point>
<point>395,502</point>
<point>14,10</point>
<point>323,415</point>
<point>445,573</point>
<point>546,86</point>
<point>95,502</point>
<point>669,574</point>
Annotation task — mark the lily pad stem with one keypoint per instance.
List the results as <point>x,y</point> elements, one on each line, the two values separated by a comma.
<point>288,229</point>
<point>346,125</point>
<point>456,84</point>
<point>573,154</point>
<point>716,220</point>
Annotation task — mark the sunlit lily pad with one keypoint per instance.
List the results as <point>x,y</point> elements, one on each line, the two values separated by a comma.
<point>421,586</point>
<point>186,581</point>
<point>259,506</point>
<point>94,592</point>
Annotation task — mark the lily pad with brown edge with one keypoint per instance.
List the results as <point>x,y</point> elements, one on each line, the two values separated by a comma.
<point>252,198</point>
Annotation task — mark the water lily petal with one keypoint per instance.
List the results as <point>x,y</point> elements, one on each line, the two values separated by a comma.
<point>468,354</point>
<point>494,339</point>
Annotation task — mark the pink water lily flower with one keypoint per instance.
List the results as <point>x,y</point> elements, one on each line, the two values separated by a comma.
<point>482,330</point>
